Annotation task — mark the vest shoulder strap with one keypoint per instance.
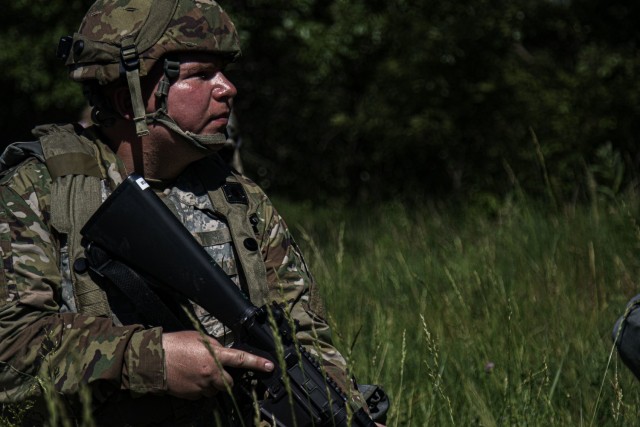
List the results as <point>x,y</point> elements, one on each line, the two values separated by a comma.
<point>229,197</point>
<point>67,152</point>
<point>76,193</point>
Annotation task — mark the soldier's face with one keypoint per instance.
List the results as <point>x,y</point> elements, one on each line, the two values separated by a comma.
<point>200,99</point>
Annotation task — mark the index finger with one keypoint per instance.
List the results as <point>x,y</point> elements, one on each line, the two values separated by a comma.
<point>234,358</point>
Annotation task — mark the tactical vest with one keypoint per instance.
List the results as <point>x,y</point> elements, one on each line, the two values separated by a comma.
<point>80,181</point>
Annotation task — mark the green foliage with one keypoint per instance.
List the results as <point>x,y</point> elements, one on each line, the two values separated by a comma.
<point>372,100</point>
<point>34,82</point>
<point>475,319</point>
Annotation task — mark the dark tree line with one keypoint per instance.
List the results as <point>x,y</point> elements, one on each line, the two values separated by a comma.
<point>370,100</point>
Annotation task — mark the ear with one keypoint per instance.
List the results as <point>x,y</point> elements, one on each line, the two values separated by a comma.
<point>122,102</point>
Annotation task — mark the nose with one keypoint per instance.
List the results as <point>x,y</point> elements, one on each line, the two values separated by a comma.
<point>223,89</point>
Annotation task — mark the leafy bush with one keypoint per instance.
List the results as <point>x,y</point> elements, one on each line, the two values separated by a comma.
<point>370,100</point>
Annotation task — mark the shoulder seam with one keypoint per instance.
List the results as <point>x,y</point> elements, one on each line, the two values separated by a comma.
<point>10,173</point>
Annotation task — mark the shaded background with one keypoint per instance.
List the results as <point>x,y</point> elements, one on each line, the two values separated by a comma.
<point>366,101</point>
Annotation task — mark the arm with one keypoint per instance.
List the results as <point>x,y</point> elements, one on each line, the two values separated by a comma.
<point>290,281</point>
<point>39,346</point>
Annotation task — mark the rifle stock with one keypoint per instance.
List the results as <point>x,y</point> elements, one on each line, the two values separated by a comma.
<point>135,228</point>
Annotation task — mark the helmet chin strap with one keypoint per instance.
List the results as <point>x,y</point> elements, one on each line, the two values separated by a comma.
<point>209,143</point>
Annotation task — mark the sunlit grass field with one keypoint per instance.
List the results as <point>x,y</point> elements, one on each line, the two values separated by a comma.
<point>469,318</point>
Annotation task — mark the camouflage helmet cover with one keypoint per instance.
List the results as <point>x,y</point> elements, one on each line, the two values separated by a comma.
<point>149,29</point>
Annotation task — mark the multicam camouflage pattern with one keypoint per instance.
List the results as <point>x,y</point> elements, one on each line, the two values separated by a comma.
<point>195,25</point>
<point>42,346</point>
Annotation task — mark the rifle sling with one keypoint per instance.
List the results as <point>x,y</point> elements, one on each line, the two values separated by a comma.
<point>135,288</point>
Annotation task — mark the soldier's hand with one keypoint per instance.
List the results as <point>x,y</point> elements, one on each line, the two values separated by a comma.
<point>195,369</point>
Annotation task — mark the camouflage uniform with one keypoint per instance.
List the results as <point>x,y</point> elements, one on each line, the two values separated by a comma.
<point>46,346</point>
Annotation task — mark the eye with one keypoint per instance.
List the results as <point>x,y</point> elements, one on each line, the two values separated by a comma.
<point>200,75</point>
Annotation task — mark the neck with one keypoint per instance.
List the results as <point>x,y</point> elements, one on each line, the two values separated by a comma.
<point>158,156</point>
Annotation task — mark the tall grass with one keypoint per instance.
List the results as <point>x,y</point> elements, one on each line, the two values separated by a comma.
<point>469,318</point>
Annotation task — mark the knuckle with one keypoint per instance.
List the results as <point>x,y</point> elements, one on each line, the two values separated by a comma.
<point>241,358</point>
<point>206,370</point>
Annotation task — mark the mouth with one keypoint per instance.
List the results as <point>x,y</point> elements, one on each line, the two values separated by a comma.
<point>220,121</point>
<point>222,116</point>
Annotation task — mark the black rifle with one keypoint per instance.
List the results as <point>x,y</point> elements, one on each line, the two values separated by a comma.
<point>135,235</point>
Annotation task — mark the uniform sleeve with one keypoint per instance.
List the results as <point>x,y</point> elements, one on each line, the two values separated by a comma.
<point>41,348</point>
<point>290,281</point>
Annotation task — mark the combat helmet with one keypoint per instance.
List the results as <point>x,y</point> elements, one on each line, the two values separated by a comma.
<point>125,38</point>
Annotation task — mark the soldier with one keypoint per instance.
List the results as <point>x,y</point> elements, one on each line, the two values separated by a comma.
<point>154,73</point>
